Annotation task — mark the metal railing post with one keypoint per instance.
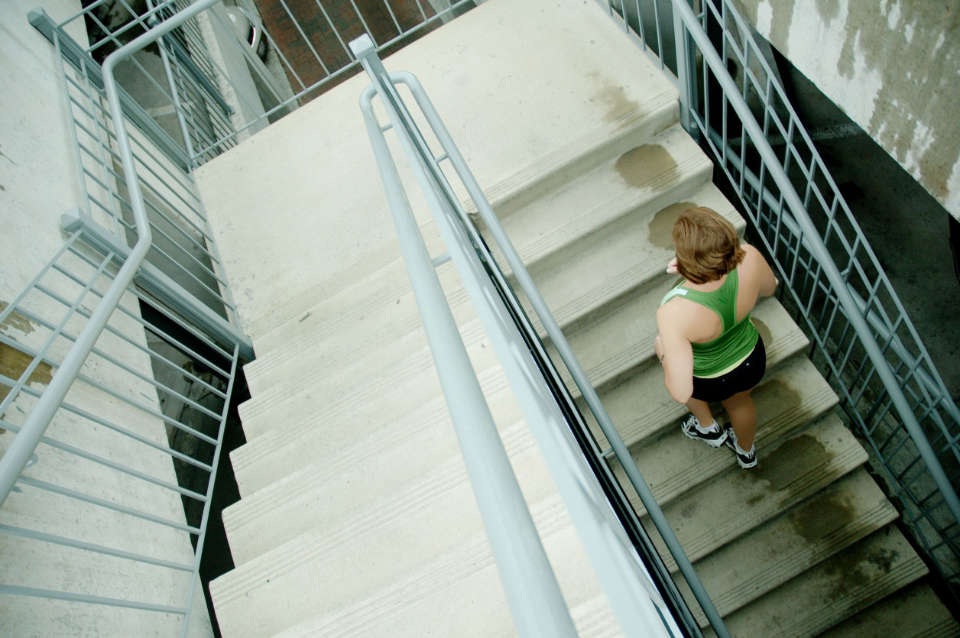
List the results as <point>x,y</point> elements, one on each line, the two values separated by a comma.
<point>686,72</point>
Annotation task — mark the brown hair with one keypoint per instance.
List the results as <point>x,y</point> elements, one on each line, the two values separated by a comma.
<point>707,245</point>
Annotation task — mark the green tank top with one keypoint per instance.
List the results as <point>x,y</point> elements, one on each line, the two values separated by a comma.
<point>736,340</point>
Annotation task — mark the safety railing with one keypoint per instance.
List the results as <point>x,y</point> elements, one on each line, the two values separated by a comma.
<point>550,410</point>
<point>862,338</point>
<point>112,506</point>
<point>112,466</point>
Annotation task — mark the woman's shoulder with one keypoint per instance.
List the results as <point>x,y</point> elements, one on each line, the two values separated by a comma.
<point>752,258</point>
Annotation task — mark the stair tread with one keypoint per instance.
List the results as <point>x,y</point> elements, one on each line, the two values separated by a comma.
<point>786,546</point>
<point>668,164</point>
<point>615,260</point>
<point>395,390</point>
<point>277,589</point>
<point>314,336</point>
<point>276,452</point>
<point>441,596</point>
<point>319,498</point>
<point>913,612</point>
<point>365,317</point>
<point>734,502</point>
<point>789,399</point>
<point>817,599</point>
<point>640,405</point>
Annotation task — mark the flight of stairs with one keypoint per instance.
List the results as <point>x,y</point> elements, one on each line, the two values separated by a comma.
<point>356,518</point>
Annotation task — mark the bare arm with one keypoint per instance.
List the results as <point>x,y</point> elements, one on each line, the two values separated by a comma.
<point>766,280</point>
<point>675,354</point>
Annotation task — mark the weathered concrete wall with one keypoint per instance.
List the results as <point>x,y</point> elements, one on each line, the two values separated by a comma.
<point>38,183</point>
<point>893,66</point>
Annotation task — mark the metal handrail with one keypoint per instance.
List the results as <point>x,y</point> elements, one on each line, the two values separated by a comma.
<point>23,445</point>
<point>531,586</point>
<point>814,243</point>
<point>520,272</point>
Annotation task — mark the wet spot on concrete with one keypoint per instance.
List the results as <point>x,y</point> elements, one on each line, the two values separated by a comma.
<point>640,166</point>
<point>15,321</point>
<point>618,105</point>
<point>661,226</point>
<point>756,498</point>
<point>763,330</point>
<point>13,363</point>
<point>793,458</point>
<point>858,566</point>
<point>819,518</point>
<point>688,510</point>
<point>776,397</point>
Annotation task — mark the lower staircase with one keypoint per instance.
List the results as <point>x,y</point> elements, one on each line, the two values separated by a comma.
<point>356,517</point>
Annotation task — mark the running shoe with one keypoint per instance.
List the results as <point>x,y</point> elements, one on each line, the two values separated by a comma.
<point>714,436</point>
<point>746,460</point>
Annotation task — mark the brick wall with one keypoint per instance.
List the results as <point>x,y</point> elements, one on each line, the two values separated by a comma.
<point>302,52</point>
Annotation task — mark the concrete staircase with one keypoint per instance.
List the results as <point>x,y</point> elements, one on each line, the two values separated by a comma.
<point>356,518</point>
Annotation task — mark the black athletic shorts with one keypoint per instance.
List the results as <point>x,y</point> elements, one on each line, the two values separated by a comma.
<point>743,377</point>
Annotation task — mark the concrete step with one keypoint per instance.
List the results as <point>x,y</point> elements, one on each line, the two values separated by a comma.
<point>364,402</point>
<point>440,598</point>
<point>787,400</point>
<point>774,553</point>
<point>869,570</point>
<point>618,259</point>
<point>728,505</point>
<point>279,590</point>
<point>555,170</point>
<point>613,188</point>
<point>402,358</point>
<point>621,214</point>
<point>635,397</point>
<point>362,319</point>
<point>320,498</point>
<point>337,443</point>
<point>912,612</point>
<point>643,179</point>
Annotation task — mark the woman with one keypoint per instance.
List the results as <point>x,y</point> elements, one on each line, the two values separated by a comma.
<point>707,345</point>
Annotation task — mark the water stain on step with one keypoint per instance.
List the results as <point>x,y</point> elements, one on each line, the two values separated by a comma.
<point>617,103</point>
<point>775,397</point>
<point>859,566</point>
<point>661,226</point>
<point>640,166</point>
<point>795,457</point>
<point>15,321</point>
<point>816,519</point>
<point>14,363</point>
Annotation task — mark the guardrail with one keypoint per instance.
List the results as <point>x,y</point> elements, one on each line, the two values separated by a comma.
<point>100,366</point>
<point>501,312</point>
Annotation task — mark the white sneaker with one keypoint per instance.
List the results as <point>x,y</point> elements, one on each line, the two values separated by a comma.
<point>714,435</point>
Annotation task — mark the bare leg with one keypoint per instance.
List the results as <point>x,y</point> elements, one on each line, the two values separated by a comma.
<point>701,410</point>
<point>743,417</point>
